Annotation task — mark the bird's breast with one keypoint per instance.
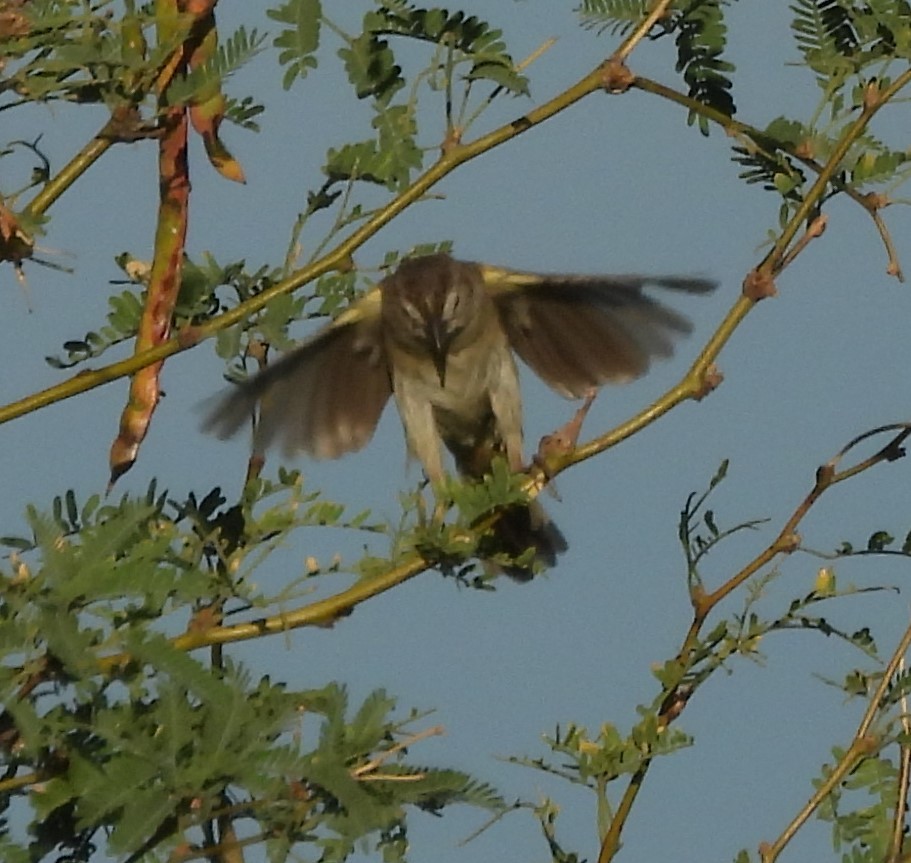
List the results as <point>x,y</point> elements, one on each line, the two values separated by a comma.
<point>471,374</point>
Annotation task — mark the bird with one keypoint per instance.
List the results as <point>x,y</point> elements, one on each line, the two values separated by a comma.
<point>440,337</point>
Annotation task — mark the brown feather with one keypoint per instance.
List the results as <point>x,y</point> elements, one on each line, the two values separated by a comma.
<point>324,398</point>
<point>433,329</point>
<point>579,332</point>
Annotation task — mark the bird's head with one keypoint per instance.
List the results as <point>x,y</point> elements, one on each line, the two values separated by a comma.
<point>428,303</point>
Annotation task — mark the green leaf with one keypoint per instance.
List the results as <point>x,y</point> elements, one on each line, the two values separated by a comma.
<point>616,17</point>
<point>701,37</point>
<point>232,54</point>
<point>299,41</point>
<point>826,38</point>
<point>123,323</point>
<point>371,68</point>
<point>145,811</point>
<point>398,153</point>
<point>472,39</point>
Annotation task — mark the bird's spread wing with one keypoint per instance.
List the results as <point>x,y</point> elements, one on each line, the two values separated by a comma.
<point>578,332</point>
<point>323,398</point>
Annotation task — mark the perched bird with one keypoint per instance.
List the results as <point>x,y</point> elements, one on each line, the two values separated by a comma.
<point>439,335</point>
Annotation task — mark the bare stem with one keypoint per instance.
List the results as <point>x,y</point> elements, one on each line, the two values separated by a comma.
<point>863,745</point>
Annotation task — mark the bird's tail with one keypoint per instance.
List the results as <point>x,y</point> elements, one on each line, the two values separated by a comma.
<point>520,528</point>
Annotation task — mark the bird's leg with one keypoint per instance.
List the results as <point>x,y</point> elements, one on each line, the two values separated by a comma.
<point>563,441</point>
<point>423,438</point>
<point>439,510</point>
<point>506,404</point>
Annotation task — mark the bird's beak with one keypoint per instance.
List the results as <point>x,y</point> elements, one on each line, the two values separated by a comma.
<point>439,350</point>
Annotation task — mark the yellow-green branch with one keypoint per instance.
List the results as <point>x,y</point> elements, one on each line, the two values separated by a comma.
<point>335,259</point>
<point>786,542</point>
<point>863,745</point>
<point>324,612</point>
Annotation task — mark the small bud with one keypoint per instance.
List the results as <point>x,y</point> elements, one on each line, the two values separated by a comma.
<point>825,581</point>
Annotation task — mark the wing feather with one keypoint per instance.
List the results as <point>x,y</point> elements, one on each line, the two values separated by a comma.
<point>579,332</point>
<point>323,398</point>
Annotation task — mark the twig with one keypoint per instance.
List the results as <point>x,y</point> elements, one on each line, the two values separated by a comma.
<point>386,754</point>
<point>786,541</point>
<point>904,775</point>
<point>333,260</point>
<point>863,745</point>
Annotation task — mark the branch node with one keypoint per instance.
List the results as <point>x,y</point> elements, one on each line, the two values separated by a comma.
<point>701,602</point>
<point>825,474</point>
<point>712,378</point>
<point>616,77</point>
<point>817,227</point>
<point>876,201</point>
<point>758,285</point>
<point>872,95</point>
<point>790,543</point>
<point>893,452</point>
<point>868,744</point>
<point>452,141</point>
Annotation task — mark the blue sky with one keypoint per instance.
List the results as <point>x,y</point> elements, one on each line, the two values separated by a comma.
<point>614,184</point>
